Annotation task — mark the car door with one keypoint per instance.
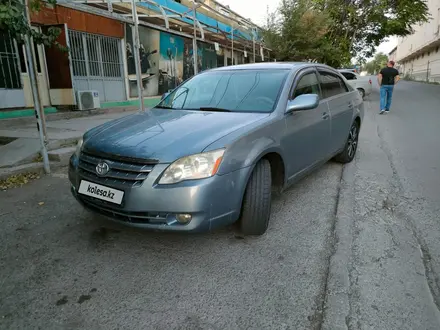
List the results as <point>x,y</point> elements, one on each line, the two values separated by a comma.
<point>339,99</point>
<point>307,136</point>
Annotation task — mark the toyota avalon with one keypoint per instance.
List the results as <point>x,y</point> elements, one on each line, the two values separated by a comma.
<point>213,151</point>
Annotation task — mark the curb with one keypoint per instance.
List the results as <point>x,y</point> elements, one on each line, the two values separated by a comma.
<point>61,143</point>
<point>65,115</point>
<point>27,168</point>
<point>337,303</point>
<point>52,146</point>
<point>21,169</point>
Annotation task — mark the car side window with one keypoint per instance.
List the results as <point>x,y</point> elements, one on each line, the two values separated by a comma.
<point>349,76</point>
<point>331,84</point>
<point>307,84</point>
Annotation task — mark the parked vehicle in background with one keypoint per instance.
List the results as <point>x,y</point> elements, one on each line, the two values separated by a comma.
<point>213,150</point>
<point>349,69</point>
<point>362,84</point>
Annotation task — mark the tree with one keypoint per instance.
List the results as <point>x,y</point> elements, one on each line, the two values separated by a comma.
<point>299,32</point>
<point>364,24</point>
<point>14,22</point>
<point>380,60</point>
<point>335,31</point>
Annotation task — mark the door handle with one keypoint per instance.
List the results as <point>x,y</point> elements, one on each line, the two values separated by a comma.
<point>325,116</point>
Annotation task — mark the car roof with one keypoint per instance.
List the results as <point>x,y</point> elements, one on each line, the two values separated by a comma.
<point>347,70</point>
<point>270,65</point>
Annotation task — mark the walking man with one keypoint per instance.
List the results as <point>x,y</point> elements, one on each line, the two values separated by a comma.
<point>387,78</point>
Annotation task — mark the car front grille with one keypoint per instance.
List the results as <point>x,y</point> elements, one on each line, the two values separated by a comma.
<point>158,218</point>
<point>121,174</point>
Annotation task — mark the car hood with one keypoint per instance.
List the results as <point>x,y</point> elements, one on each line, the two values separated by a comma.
<point>164,135</point>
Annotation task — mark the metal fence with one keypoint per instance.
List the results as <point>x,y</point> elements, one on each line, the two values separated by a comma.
<point>428,71</point>
<point>97,64</point>
<point>9,72</point>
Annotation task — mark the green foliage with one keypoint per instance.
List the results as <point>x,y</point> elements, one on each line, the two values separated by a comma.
<point>335,31</point>
<point>13,20</point>
<point>375,65</point>
<point>300,32</point>
<point>366,23</point>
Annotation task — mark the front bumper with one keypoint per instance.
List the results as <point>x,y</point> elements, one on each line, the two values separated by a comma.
<point>212,202</point>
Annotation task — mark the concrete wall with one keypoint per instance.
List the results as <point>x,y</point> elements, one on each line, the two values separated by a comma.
<point>418,55</point>
<point>424,67</point>
<point>423,35</point>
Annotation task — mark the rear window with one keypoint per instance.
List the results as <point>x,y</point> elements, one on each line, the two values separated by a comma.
<point>235,90</point>
<point>349,75</point>
<point>332,84</point>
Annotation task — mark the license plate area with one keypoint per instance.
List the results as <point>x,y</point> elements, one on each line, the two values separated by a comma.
<point>101,192</point>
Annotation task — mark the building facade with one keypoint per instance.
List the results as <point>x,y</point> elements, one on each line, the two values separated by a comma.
<point>392,56</point>
<point>418,55</point>
<point>100,56</point>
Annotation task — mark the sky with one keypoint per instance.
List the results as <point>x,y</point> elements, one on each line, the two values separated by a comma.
<point>256,10</point>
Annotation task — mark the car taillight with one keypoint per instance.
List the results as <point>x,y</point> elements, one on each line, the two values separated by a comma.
<point>370,81</point>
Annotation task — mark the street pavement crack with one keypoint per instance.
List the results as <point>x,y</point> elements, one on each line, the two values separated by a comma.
<point>391,203</point>
<point>337,309</point>
<point>381,273</point>
<point>352,318</point>
<point>332,243</point>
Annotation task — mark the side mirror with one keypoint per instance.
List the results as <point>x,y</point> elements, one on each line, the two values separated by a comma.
<point>165,95</point>
<point>303,102</point>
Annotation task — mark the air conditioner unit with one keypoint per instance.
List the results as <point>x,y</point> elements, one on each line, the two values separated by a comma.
<point>88,100</point>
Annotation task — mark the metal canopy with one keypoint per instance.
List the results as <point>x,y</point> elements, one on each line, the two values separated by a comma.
<point>149,13</point>
<point>121,10</point>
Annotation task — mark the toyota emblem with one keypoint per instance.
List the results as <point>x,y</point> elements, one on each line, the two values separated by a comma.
<point>102,168</point>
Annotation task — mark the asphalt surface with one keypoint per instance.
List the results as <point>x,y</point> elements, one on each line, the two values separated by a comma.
<point>385,270</point>
<point>59,269</point>
<point>348,248</point>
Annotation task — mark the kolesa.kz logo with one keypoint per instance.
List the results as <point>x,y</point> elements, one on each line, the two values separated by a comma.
<point>100,192</point>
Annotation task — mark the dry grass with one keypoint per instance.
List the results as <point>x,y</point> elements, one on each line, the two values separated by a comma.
<point>38,159</point>
<point>18,180</point>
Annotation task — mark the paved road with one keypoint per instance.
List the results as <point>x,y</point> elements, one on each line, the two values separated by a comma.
<point>386,270</point>
<point>378,230</point>
<point>59,270</point>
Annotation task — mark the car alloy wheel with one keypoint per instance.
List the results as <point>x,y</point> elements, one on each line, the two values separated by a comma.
<point>352,141</point>
<point>350,147</point>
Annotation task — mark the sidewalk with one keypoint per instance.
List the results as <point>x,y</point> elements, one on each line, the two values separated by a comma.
<point>62,136</point>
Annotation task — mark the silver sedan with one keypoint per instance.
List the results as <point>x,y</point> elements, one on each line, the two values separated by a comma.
<point>214,149</point>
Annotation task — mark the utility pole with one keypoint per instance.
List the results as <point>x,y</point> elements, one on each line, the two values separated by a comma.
<point>137,58</point>
<point>39,111</point>
<point>232,52</point>
<point>253,41</point>
<point>427,73</point>
<point>195,54</point>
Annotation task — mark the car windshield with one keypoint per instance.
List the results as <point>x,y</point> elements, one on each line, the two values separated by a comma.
<point>231,90</point>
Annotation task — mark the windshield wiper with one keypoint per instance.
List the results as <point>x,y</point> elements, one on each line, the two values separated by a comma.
<point>163,107</point>
<point>214,109</point>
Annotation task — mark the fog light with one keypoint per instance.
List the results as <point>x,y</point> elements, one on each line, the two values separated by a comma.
<point>183,218</point>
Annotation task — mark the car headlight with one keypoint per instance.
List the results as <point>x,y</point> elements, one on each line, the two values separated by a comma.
<point>79,147</point>
<point>198,166</point>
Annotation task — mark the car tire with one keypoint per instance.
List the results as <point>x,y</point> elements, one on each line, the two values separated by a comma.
<point>361,92</point>
<point>255,212</point>
<point>350,148</point>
